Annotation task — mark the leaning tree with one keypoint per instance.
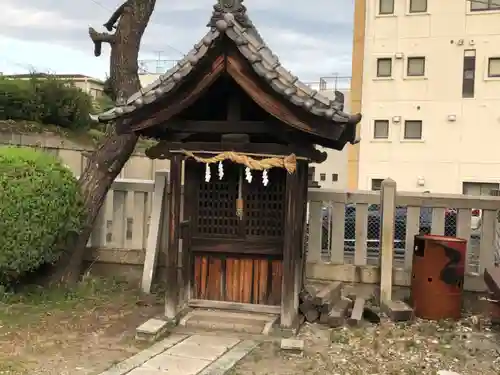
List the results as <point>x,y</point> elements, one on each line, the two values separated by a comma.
<point>125,29</point>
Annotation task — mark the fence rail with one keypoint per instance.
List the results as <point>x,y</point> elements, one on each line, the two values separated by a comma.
<point>344,232</point>
<point>123,222</point>
<point>344,241</point>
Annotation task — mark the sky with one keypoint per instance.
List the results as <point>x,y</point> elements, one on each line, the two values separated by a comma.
<point>312,38</point>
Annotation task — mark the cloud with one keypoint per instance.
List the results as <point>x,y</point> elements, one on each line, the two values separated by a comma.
<point>311,38</point>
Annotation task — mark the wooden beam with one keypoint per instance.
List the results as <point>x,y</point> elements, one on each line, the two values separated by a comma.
<point>165,150</point>
<point>235,306</point>
<point>222,127</point>
<point>183,99</point>
<point>289,294</point>
<point>172,251</point>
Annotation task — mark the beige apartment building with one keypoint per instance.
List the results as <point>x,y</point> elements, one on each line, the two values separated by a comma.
<point>426,76</point>
<point>332,173</point>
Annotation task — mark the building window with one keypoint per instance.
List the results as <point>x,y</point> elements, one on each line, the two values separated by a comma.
<point>384,67</point>
<point>413,129</point>
<point>478,188</point>
<point>335,177</point>
<point>381,129</point>
<point>469,73</point>
<point>418,6</point>
<point>415,67</point>
<point>484,5</point>
<point>377,184</point>
<point>386,7</point>
<point>494,67</point>
<point>322,176</point>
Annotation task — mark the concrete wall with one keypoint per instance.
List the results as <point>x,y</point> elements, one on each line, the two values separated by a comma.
<point>459,135</point>
<point>139,165</point>
<point>148,78</point>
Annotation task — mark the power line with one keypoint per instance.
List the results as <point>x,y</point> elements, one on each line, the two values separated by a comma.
<point>111,10</point>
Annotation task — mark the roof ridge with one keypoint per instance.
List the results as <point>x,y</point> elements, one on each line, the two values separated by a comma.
<point>229,18</point>
<point>235,7</point>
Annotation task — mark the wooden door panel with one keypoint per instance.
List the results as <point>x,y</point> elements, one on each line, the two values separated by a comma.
<point>237,279</point>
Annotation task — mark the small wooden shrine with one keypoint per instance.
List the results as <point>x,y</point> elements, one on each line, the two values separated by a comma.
<point>240,131</point>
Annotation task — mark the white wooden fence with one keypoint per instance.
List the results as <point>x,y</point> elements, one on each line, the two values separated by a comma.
<point>332,254</point>
<point>358,260</point>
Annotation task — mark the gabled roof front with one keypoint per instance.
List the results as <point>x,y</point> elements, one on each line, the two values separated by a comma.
<point>229,18</point>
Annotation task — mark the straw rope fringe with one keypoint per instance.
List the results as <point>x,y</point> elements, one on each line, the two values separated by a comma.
<point>288,162</point>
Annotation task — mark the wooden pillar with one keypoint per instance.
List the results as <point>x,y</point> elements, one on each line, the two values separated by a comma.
<point>289,294</point>
<point>172,251</point>
<point>190,183</point>
<point>388,212</point>
<point>302,221</point>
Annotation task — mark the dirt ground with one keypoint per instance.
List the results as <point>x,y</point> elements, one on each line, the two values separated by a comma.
<point>468,347</point>
<point>79,332</point>
<point>84,331</point>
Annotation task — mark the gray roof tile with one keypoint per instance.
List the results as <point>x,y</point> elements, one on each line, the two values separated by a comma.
<point>266,64</point>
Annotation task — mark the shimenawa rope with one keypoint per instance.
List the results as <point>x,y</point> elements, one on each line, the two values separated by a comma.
<point>288,162</point>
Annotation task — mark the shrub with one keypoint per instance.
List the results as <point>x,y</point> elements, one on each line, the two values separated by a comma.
<point>45,99</point>
<point>17,100</point>
<point>62,104</point>
<point>40,206</point>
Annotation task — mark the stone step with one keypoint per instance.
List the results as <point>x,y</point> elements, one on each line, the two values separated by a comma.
<point>227,321</point>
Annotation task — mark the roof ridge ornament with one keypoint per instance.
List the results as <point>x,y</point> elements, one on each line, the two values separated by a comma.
<point>235,7</point>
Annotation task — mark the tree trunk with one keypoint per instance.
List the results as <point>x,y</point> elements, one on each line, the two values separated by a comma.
<point>108,160</point>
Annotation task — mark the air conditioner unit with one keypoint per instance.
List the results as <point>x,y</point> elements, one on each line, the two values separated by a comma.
<point>396,119</point>
<point>452,118</point>
<point>472,42</point>
<point>399,55</point>
<point>460,42</point>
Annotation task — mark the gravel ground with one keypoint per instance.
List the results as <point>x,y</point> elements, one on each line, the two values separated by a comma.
<point>468,347</point>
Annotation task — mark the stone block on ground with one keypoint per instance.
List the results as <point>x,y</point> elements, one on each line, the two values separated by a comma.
<point>151,330</point>
<point>357,312</point>
<point>328,296</point>
<point>292,346</point>
<point>336,316</point>
<point>398,311</point>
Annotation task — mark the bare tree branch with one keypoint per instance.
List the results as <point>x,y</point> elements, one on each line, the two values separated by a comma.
<point>99,38</point>
<point>111,24</point>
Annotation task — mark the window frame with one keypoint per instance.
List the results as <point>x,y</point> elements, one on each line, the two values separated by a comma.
<point>490,59</point>
<point>418,11</point>
<point>376,181</point>
<point>406,123</point>
<point>322,176</point>
<point>384,59</point>
<point>335,177</point>
<point>489,7</point>
<point>378,121</point>
<point>385,13</point>
<point>414,58</point>
<point>469,66</point>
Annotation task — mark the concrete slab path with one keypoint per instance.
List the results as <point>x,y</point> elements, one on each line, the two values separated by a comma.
<point>186,355</point>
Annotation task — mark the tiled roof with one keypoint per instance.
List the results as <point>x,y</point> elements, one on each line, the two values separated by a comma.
<point>235,24</point>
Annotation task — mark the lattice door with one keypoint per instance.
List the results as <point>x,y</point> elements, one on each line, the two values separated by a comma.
<point>216,214</point>
<point>264,205</point>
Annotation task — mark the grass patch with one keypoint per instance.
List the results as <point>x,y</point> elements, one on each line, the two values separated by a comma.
<point>34,303</point>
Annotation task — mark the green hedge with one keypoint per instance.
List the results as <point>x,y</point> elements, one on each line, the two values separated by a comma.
<point>40,205</point>
<point>46,100</point>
